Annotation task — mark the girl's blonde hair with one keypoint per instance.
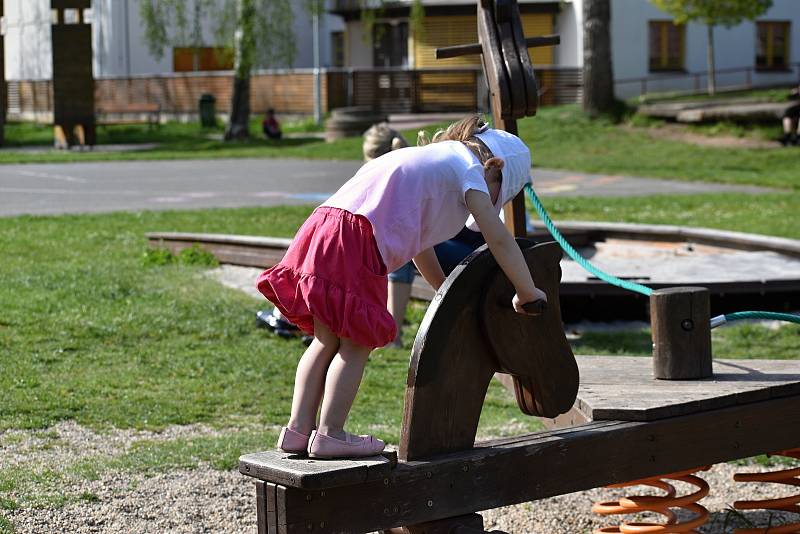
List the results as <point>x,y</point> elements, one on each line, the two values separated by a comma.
<point>464,131</point>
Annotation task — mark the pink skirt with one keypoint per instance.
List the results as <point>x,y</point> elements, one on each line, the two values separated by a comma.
<point>333,272</point>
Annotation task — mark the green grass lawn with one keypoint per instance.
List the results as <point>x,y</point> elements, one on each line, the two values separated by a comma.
<point>560,137</point>
<point>93,332</point>
<point>96,331</point>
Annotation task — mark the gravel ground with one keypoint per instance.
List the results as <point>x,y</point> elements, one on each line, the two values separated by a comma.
<point>204,501</point>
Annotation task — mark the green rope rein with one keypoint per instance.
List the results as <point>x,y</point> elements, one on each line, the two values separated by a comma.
<point>633,286</point>
<point>738,316</point>
<point>572,253</point>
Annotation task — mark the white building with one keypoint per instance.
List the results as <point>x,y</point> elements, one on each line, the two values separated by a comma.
<point>119,45</point>
<point>650,54</point>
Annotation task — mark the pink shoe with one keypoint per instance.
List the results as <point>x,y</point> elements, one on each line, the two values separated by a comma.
<point>291,441</point>
<point>324,446</point>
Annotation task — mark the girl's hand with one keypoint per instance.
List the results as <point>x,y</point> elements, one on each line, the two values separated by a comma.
<point>518,301</point>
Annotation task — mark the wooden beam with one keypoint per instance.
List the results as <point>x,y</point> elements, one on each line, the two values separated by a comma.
<point>474,49</point>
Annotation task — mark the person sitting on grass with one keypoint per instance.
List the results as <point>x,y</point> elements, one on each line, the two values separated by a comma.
<point>332,282</point>
<point>791,121</point>
<point>271,126</point>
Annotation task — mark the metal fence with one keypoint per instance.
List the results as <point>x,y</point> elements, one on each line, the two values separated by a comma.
<point>743,78</point>
<point>291,91</point>
<point>438,90</point>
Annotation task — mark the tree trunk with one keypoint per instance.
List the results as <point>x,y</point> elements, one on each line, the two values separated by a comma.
<point>598,74</point>
<point>712,77</point>
<point>239,122</point>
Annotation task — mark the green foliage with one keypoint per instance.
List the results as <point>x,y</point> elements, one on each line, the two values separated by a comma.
<point>372,10</point>
<point>264,27</point>
<point>157,257</point>
<point>194,255</point>
<point>167,24</point>
<point>714,12</point>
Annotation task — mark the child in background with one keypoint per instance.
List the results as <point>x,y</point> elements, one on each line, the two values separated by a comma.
<point>270,125</point>
<point>332,282</point>
<point>791,120</point>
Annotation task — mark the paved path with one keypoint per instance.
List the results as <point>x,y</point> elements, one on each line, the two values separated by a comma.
<point>159,185</point>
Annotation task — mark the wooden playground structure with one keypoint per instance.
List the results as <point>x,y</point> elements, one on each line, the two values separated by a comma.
<point>629,420</point>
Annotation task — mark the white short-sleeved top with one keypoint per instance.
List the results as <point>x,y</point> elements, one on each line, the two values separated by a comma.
<point>414,197</point>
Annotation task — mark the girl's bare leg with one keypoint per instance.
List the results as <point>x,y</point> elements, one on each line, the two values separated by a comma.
<point>309,382</point>
<point>399,295</point>
<point>341,386</point>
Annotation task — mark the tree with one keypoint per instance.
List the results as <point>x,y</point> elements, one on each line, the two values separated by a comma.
<point>598,73</point>
<point>258,32</point>
<point>712,13</point>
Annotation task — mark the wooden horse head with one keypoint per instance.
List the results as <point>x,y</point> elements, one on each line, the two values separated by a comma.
<point>470,332</point>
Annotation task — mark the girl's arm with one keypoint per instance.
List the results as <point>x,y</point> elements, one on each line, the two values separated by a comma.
<point>428,265</point>
<point>504,249</point>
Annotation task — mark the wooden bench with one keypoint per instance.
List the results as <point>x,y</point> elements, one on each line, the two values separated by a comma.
<point>149,114</point>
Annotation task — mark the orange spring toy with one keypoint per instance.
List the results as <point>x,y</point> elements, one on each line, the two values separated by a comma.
<point>788,477</point>
<point>660,504</point>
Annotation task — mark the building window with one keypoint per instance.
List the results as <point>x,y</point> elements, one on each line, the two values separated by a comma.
<point>667,45</point>
<point>772,45</point>
<point>189,59</point>
<point>337,49</point>
<point>390,44</point>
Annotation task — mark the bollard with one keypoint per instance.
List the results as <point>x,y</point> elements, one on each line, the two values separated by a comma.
<point>680,319</point>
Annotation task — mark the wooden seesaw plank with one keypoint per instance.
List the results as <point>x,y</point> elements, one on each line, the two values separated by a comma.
<point>537,466</point>
<point>622,388</point>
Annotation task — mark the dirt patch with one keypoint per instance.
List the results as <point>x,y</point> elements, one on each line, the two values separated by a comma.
<point>679,132</point>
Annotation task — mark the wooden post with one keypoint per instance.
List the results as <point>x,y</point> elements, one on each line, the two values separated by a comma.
<point>681,324</point>
<point>73,81</point>
<point>513,90</point>
<point>444,400</point>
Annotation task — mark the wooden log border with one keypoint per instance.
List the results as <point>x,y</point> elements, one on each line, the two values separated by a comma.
<point>263,252</point>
